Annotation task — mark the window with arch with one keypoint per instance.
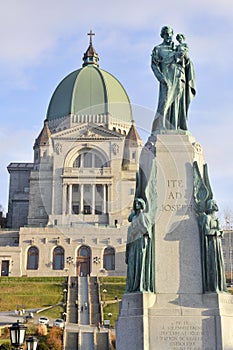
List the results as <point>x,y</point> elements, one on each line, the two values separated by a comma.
<point>89,159</point>
<point>109,258</point>
<point>84,251</point>
<point>32,258</point>
<point>58,258</point>
<point>84,261</point>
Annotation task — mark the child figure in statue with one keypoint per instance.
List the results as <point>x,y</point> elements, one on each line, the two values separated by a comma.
<point>182,49</point>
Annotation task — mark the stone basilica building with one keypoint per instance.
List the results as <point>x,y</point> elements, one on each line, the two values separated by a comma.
<point>68,209</point>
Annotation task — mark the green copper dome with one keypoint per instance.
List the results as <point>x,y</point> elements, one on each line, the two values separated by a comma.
<point>90,91</point>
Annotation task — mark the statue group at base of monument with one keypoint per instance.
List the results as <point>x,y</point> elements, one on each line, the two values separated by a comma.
<point>211,233</point>
<point>139,253</point>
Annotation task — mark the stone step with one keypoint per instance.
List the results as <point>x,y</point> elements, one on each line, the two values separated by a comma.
<point>89,339</point>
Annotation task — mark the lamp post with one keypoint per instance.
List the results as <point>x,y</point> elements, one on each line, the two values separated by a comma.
<point>17,334</point>
<point>31,343</point>
<point>110,315</point>
<point>104,293</point>
<point>65,294</point>
<point>69,261</point>
<point>103,304</point>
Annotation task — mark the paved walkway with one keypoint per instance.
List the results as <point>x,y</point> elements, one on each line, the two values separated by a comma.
<point>84,317</point>
<point>9,317</point>
<point>86,337</point>
<point>73,327</point>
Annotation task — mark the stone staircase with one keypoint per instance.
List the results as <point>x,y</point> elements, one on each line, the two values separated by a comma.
<point>79,335</point>
<point>102,341</point>
<point>71,338</point>
<point>72,307</point>
<point>94,298</point>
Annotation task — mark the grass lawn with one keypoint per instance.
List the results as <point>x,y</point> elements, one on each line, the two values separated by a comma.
<point>30,292</point>
<point>55,312</point>
<point>115,287</point>
<point>42,292</point>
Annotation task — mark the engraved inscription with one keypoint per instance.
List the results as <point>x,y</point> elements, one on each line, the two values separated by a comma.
<point>176,197</point>
<point>181,335</point>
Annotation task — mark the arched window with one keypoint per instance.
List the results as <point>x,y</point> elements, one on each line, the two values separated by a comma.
<point>84,251</point>
<point>32,258</point>
<point>109,258</point>
<point>58,258</point>
<point>83,261</point>
<point>89,159</point>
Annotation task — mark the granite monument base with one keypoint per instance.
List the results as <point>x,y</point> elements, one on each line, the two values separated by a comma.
<point>175,322</point>
<point>178,316</point>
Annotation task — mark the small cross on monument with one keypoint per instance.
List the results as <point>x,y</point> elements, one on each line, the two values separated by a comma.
<point>91,34</point>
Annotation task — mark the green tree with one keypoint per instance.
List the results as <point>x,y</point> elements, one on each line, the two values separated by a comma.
<point>42,346</point>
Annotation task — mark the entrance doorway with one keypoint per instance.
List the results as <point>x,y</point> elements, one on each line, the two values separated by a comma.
<point>83,261</point>
<point>5,268</point>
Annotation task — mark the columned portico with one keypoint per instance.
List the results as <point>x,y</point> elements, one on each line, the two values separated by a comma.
<point>88,195</point>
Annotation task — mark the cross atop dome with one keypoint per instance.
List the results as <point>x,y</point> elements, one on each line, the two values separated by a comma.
<point>91,34</point>
<point>90,56</point>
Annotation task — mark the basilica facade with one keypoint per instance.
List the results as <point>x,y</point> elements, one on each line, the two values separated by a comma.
<point>68,208</point>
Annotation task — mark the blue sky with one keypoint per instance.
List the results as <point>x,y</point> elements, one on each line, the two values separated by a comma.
<point>43,41</point>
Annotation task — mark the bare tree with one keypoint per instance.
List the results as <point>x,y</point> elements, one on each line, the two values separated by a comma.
<point>226,217</point>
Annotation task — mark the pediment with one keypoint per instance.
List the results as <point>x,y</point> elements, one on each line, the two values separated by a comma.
<point>87,131</point>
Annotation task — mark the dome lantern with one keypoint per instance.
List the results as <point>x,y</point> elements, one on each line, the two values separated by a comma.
<point>90,56</point>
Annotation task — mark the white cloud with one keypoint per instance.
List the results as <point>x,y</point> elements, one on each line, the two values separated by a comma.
<point>41,39</point>
<point>36,26</point>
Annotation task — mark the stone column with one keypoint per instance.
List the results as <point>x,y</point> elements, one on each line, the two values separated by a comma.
<point>81,199</point>
<point>93,199</point>
<point>64,199</point>
<point>70,199</point>
<point>81,161</point>
<point>105,187</point>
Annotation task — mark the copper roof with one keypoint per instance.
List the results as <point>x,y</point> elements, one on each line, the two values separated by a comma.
<point>44,135</point>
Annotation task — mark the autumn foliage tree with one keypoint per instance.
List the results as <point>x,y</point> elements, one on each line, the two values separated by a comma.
<point>54,339</point>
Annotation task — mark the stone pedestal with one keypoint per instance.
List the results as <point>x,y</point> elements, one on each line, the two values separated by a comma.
<point>175,322</point>
<point>179,316</point>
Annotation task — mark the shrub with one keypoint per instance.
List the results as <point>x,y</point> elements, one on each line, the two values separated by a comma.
<point>42,346</point>
<point>54,339</point>
<point>5,346</point>
<point>41,330</point>
<point>6,332</point>
<point>31,329</point>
